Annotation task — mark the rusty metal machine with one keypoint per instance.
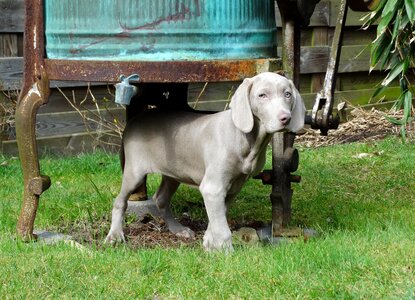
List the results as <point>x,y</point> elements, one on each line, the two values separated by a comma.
<point>119,47</point>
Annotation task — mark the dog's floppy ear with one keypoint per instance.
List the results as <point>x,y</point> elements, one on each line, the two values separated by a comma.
<point>241,109</point>
<point>297,111</point>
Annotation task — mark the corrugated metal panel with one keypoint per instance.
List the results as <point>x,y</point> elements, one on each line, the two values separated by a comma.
<point>159,29</point>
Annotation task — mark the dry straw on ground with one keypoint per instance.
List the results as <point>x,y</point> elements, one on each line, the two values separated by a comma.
<point>363,125</point>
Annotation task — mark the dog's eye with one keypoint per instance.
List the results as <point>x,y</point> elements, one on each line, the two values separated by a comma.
<point>262,95</point>
<point>287,95</point>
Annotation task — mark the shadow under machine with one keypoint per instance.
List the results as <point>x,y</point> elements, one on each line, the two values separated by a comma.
<point>168,44</point>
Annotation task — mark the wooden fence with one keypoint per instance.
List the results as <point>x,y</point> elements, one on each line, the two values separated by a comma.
<point>61,129</point>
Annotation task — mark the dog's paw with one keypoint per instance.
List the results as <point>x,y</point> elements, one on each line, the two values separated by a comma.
<point>186,233</point>
<point>180,230</point>
<point>115,237</point>
<point>217,243</point>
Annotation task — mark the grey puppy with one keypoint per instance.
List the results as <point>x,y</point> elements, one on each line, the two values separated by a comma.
<point>216,152</point>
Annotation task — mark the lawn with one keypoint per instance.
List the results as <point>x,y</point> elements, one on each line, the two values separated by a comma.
<point>363,209</point>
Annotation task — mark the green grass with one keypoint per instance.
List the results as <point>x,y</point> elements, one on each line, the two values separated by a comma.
<point>364,210</point>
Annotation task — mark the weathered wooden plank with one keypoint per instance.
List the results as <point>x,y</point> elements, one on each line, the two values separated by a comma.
<point>356,36</point>
<point>197,92</point>
<point>314,59</point>
<point>319,38</point>
<point>353,59</point>
<point>352,36</point>
<point>362,80</point>
<point>11,16</point>
<point>216,105</point>
<point>58,103</point>
<point>11,73</point>
<point>8,45</point>
<point>68,144</point>
<point>356,97</point>
<point>74,84</point>
<point>72,122</point>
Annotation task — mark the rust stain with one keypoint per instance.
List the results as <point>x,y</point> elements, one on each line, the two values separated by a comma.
<point>152,71</point>
<point>123,34</point>
<point>83,47</point>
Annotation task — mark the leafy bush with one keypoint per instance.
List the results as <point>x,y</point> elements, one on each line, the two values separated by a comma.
<point>394,50</point>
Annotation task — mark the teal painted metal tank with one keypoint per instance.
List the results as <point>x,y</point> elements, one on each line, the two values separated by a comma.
<point>159,30</point>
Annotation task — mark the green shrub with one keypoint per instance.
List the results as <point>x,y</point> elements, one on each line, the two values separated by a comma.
<point>394,50</point>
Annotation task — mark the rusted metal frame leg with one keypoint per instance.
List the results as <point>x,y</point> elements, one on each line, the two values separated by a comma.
<point>282,143</point>
<point>291,32</point>
<point>282,166</point>
<point>34,183</point>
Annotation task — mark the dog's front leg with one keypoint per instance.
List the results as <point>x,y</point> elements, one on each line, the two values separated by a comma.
<point>218,235</point>
<point>116,233</point>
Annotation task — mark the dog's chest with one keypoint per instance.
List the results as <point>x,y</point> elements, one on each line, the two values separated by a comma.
<point>254,163</point>
<point>254,159</point>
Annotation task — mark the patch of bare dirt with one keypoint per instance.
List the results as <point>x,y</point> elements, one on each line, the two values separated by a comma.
<point>154,233</point>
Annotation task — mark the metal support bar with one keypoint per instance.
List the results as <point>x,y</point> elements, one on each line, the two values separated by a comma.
<point>285,159</point>
<point>291,32</point>
<point>159,71</point>
<point>281,186</point>
<point>34,183</point>
<point>282,147</point>
<point>321,116</point>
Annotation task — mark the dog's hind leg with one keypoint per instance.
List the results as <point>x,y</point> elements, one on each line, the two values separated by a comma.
<point>132,178</point>
<point>162,198</point>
